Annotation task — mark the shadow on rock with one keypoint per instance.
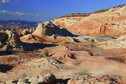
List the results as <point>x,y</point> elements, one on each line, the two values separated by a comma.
<point>6,53</point>
<point>4,68</point>
<point>61,81</point>
<point>65,32</point>
<point>35,46</point>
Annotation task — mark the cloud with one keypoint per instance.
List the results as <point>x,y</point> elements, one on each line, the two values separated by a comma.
<point>12,2</point>
<point>4,1</point>
<point>22,14</point>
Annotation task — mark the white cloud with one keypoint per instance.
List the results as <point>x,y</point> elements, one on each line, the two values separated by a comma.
<point>22,14</point>
<point>12,2</point>
<point>4,1</point>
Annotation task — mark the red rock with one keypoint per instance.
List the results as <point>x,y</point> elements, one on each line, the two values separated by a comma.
<point>111,22</point>
<point>40,38</point>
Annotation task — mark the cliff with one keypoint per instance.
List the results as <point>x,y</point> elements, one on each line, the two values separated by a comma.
<point>107,22</point>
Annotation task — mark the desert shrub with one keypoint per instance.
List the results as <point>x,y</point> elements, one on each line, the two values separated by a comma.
<point>77,15</point>
<point>87,14</point>
<point>103,10</point>
<point>81,74</point>
<point>46,54</point>
<point>120,5</point>
<point>92,46</point>
<point>121,60</point>
<point>115,76</point>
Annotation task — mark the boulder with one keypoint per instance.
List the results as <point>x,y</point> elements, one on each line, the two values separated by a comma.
<point>9,40</point>
<point>47,79</point>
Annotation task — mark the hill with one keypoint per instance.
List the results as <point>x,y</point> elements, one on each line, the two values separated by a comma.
<point>107,22</point>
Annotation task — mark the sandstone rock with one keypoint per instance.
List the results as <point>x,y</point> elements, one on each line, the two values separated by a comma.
<point>123,37</point>
<point>48,28</point>
<point>34,79</point>
<point>3,83</point>
<point>113,44</point>
<point>22,81</point>
<point>11,82</point>
<point>92,80</point>
<point>28,36</point>
<point>61,39</point>
<point>27,31</point>
<point>111,22</point>
<point>52,61</point>
<point>48,32</point>
<point>48,79</point>
<point>43,79</point>
<point>9,40</point>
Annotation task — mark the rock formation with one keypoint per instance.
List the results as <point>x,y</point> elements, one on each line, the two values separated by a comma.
<point>48,32</point>
<point>52,55</point>
<point>111,22</point>
<point>27,31</point>
<point>92,80</point>
<point>9,40</point>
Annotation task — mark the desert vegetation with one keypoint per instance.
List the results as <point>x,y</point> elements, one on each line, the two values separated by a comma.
<point>121,60</point>
<point>52,55</point>
<point>77,15</point>
<point>88,14</point>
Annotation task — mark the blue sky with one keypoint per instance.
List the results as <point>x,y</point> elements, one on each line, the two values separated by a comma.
<point>46,10</point>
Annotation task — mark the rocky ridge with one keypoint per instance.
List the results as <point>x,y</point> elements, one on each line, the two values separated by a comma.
<point>111,22</point>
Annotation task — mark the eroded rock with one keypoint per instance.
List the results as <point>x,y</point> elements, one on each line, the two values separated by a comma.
<point>111,22</point>
<point>27,31</point>
<point>48,32</point>
<point>48,79</point>
<point>93,80</point>
<point>9,40</point>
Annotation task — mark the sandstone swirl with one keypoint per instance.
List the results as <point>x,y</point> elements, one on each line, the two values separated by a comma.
<point>9,40</point>
<point>110,22</point>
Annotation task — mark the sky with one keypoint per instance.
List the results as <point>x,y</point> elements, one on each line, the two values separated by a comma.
<point>46,10</point>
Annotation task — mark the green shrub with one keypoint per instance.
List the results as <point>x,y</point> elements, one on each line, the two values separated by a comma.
<point>121,60</point>
<point>103,10</point>
<point>92,46</point>
<point>77,15</point>
<point>81,74</point>
<point>115,76</point>
<point>46,54</point>
<point>87,14</point>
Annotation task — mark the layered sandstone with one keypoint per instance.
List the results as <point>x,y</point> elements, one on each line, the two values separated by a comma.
<point>111,22</point>
<point>48,32</point>
<point>9,40</point>
<point>27,31</point>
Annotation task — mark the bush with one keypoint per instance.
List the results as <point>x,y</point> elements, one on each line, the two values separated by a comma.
<point>87,14</point>
<point>121,60</point>
<point>46,54</point>
<point>77,15</point>
<point>103,10</point>
<point>92,46</point>
<point>81,74</point>
<point>115,76</point>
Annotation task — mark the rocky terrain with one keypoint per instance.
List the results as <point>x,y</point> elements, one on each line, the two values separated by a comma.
<point>53,55</point>
<point>107,22</point>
